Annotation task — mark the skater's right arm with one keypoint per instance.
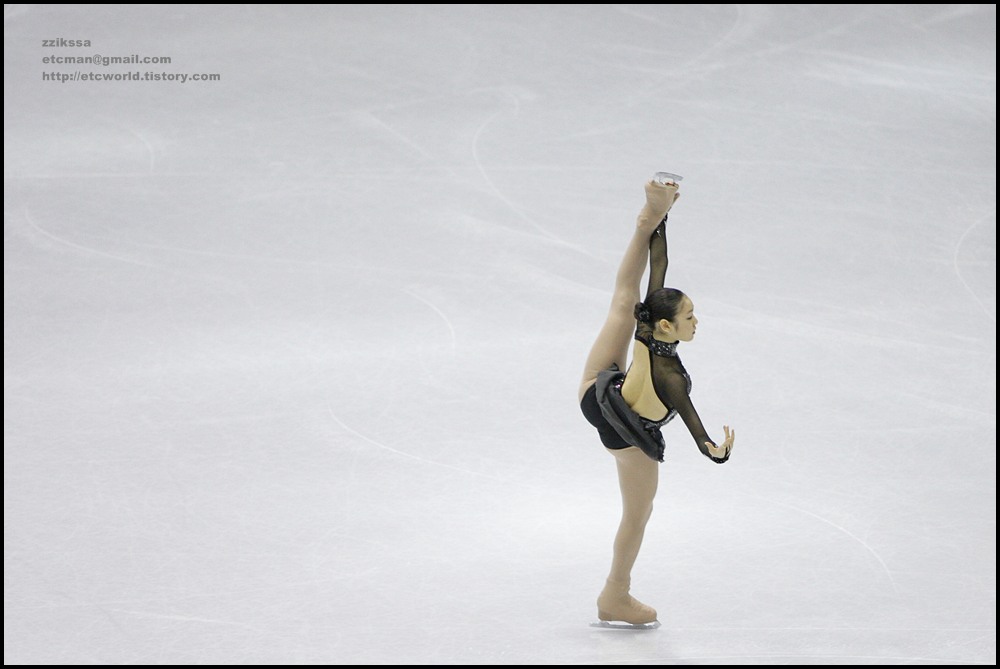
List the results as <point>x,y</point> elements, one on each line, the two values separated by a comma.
<point>659,197</point>
<point>657,257</point>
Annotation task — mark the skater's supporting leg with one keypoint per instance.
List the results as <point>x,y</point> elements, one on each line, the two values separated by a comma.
<point>638,477</point>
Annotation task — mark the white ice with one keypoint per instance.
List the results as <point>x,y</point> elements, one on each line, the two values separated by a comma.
<point>291,356</point>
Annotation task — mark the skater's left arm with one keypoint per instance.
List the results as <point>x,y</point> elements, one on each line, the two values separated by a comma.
<point>674,391</point>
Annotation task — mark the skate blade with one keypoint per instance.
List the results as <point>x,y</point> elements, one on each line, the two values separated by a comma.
<point>664,177</point>
<point>618,625</point>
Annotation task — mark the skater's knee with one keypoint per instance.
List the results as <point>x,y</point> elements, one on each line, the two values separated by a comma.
<point>623,304</point>
<point>637,514</point>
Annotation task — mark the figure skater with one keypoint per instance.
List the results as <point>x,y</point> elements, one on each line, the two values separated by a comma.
<point>628,408</point>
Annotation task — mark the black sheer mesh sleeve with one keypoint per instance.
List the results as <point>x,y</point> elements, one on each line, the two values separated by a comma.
<point>673,386</point>
<point>657,257</point>
<point>657,273</point>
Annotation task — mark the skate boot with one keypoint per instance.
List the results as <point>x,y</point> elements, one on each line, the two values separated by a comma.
<point>616,605</point>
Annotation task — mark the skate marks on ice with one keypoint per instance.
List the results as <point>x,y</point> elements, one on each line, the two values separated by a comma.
<point>619,625</point>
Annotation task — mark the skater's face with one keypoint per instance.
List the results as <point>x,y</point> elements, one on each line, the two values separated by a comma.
<point>684,325</point>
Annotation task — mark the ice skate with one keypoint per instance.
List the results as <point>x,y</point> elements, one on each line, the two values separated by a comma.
<point>666,177</point>
<point>617,609</point>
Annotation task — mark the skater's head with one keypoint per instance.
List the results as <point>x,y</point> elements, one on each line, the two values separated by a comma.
<point>670,313</point>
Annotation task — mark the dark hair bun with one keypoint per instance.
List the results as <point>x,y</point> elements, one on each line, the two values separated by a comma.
<point>641,312</point>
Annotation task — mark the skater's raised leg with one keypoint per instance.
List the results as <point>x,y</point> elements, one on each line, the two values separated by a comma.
<point>612,343</point>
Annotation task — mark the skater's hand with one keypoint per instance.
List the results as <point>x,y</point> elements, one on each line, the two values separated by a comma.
<point>720,452</point>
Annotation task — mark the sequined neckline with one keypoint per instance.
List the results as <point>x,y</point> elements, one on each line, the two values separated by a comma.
<point>661,348</point>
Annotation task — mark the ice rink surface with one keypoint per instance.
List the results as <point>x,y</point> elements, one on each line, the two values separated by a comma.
<point>291,355</point>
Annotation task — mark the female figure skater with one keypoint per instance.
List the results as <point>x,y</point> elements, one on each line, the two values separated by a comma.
<point>629,408</point>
